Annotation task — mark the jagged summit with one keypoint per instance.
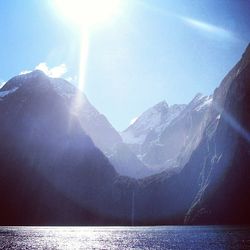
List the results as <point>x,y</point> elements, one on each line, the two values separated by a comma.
<point>164,134</point>
<point>156,115</point>
<point>161,105</point>
<point>198,96</point>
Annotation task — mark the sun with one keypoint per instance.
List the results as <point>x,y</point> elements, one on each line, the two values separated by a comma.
<point>87,13</point>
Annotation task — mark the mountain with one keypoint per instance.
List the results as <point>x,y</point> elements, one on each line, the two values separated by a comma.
<point>164,137</point>
<point>213,186</point>
<point>50,170</point>
<point>104,136</point>
<point>223,195</point>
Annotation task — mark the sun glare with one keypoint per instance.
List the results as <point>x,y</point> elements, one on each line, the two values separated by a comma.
<point>87,13</point>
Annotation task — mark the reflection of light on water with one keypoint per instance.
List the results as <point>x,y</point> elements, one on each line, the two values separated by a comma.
<point>169,237</point>
<point>69,238</point>
<point>87,237</point>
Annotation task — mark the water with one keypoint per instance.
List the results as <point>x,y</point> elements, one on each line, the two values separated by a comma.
<point>171,237</point>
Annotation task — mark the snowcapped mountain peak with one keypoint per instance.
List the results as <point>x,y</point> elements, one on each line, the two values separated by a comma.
<point>198,98</point>
<point>164,133</point>
<point>151,117</point>
<point>200,102</point>
<point>205,102</point>
<point>154,119</point>
<point>161,106</point>
<point>61,86</point>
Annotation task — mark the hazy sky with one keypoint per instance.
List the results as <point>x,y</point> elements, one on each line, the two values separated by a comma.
<point>150,51</point>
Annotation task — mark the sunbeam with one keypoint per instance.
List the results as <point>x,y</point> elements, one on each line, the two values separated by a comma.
<point>232,122</point>
<point>85,15</point>
<point>83,59</point>
<point>216,31</point>
<point>209,28</point>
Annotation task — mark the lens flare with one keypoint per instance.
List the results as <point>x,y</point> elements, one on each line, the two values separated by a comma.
<point>87,13</point>
<point>232,122</point>
<point>83,60</point>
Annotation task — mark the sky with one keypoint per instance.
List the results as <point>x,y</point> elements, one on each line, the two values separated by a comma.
<point>148,51</point>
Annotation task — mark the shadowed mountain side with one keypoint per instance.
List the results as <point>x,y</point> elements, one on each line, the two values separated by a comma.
<point>213,187</point>
<point>51,172</point>
<point>165,198</point>
<point>224,193</point>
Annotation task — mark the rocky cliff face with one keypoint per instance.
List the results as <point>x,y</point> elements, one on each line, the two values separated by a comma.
<point>164,137</point>
<point>213,186</point>
<point>223,193</point>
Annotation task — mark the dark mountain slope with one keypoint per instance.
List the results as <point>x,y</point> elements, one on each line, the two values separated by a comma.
<point>214,185</point>
<point>50,170</point>
<point>224,194</point>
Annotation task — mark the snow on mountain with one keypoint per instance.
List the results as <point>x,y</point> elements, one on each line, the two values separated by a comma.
<point>163,137</point>
<point>207,100</point>
<point>154,119</point>
<point>7,92</point>
<point>220,164</point>
<point>200,102</point>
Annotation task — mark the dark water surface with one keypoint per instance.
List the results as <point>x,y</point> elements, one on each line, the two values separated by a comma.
<point>170,237</point>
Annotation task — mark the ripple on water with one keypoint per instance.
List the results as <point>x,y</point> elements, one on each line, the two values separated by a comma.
<point>170,237</point>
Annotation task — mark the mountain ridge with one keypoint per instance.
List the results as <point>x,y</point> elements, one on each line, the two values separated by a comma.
<point>52,173</point>
<point>94,123</point>
<point>158,135</point>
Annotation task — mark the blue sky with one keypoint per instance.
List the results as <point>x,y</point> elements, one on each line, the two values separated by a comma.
<point>153,50</point>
